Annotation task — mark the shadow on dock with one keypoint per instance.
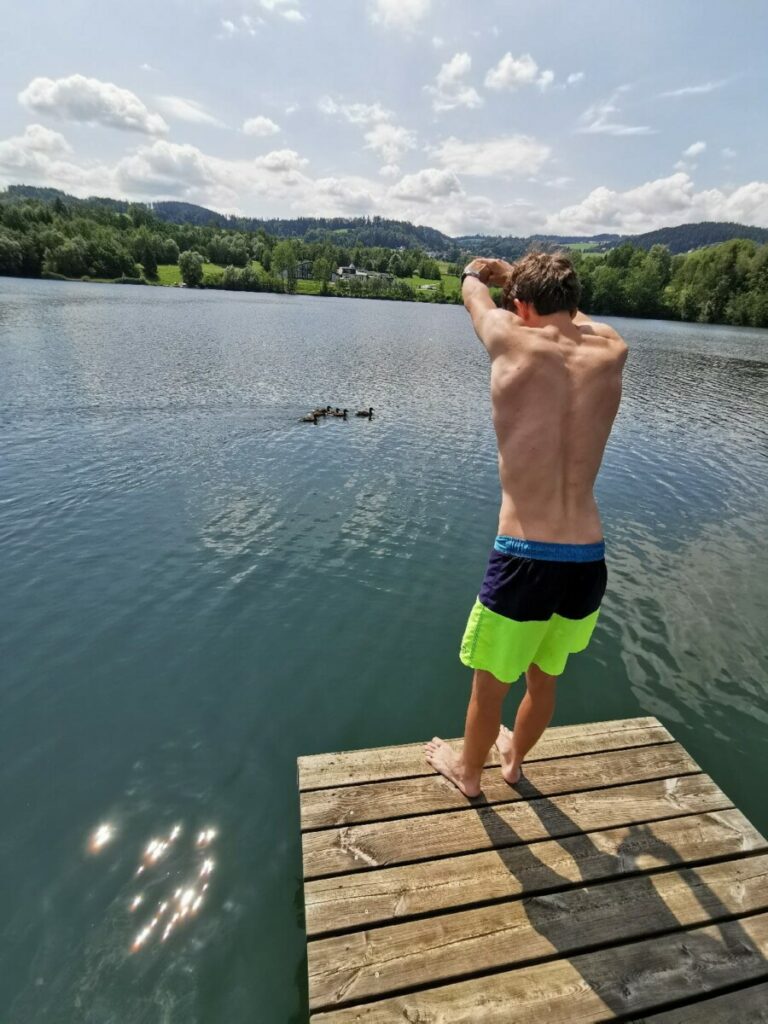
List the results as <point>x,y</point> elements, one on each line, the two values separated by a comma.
<point>702,953</point>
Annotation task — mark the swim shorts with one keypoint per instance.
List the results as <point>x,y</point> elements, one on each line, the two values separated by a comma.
<point>539,602</point>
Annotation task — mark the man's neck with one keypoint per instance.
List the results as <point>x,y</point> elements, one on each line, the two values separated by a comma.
<point>562,321</point>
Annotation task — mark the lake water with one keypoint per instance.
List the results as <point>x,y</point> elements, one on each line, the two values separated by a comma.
<point>197,588</point>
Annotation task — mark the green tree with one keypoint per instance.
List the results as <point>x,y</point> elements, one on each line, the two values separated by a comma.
<point>191,267</point>
<point>11,255</point>
<point>321,269</point>
<point>284,263</point>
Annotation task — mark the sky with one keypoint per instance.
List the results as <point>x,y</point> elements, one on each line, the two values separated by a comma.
<point>501,117</point>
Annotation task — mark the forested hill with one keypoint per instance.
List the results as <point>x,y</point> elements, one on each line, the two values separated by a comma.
<point>687,237</point>
<point>393,234</point>
<point>341,230</point>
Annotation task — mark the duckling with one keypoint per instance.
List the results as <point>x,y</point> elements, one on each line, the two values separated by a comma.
<point>340,415</point>
<point>320,412</point>
<point>367,413</point>
<point>311,418</point>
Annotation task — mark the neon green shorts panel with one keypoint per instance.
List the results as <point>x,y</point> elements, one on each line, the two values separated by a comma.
<point>506,647</point>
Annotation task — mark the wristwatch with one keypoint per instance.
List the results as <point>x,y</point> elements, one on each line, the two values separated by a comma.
<point>470,273</point>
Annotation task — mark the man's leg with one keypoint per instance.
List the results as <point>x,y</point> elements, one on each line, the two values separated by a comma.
<point>480,731</point>
<point>533,716</point>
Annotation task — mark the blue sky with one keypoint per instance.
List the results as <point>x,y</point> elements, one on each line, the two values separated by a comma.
<point>496,117</point>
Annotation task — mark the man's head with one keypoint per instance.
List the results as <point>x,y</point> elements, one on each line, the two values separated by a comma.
<point>542,283</point>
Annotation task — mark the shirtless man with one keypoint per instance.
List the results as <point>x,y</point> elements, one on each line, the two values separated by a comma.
<point>555,390</point>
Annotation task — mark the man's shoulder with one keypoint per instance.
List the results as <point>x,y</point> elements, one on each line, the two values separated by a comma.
<point>607,337</point>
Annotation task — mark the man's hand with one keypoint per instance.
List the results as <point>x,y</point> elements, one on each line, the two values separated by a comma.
<point>492,272</point>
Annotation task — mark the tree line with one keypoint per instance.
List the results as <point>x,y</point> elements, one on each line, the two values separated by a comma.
<point>725,283</point>
<point>721,284</point>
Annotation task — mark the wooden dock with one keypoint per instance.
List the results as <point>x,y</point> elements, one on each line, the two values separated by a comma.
<point>616,882</point>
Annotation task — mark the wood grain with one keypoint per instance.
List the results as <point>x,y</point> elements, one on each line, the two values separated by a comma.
<point>390,894</point>
<point>744,1006</point>
<point>357,848</point>
<point>366,964</point>
<point>620,980</point>
<point>382,801</point>
<point>352,767</point>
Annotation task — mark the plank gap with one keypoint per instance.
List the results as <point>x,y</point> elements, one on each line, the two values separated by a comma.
<point>548,890</point>
<point>496,764</point>
<point>652,1015</point>
<point>524,965</point>
<point>506,846</point>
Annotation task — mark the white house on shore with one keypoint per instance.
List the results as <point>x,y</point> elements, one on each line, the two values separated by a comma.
<point>350,272</point>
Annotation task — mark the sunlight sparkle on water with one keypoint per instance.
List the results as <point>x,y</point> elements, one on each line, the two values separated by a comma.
<point>104,834</point>
<point>187,899</point>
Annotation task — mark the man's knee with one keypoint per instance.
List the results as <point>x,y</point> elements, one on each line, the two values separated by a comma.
<point>538,681</point>
<point>488,689</point>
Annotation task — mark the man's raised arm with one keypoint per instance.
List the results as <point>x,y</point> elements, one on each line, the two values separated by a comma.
<point>486,316</point>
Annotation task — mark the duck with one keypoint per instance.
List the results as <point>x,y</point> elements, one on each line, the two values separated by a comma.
<point>310,418</point>
<point>367,413</point>
<point>340,415</point>
<point>321,412</point>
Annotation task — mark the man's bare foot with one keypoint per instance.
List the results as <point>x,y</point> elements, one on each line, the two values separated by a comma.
<point>510,768</point>
<point>443,759</point>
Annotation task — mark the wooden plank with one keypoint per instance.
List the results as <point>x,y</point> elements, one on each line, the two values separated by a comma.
<point>382,801</point>
<point>361,847</point>
<point>621,980</point>
<point>377,962</point>
<point>371,897</point>
<point>744,1006</point>
<point>375,765</point>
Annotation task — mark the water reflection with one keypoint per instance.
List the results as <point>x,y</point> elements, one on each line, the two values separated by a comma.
<point>197,588</point>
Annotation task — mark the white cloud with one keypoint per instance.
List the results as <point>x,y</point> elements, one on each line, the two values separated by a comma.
<point>348,192</point>
<point>292,108</point>
<point>599,119</point>
<point>91,101</point>
<point>389,171</point>
<point>450,90</point>
<point>281,160</point>
<point>390,141</point>
<point>260,126</point>
<point>288,9</point>
<point>728,153</point>
<point>384,137</point>
<point>660,203</point>
<point>514,72</point>
<point>575,77</point>
<point>228,27</point>
<point>42,156</point>
<point>438,42</point>
<point>355,113</point>
<point>506,156</point>
<point>426,185</point>
<point>29,156</point>
<point>695,90</point>
<point>559,182</point>
<point>180,109</point>
<point>404,15</point>
<point>695,149</point>
<point>250,23</point>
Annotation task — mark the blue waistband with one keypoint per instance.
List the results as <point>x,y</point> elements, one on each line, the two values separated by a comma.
<point>546,551</point>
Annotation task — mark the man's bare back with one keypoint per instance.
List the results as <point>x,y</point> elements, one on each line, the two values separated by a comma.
<point>555,393</point>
